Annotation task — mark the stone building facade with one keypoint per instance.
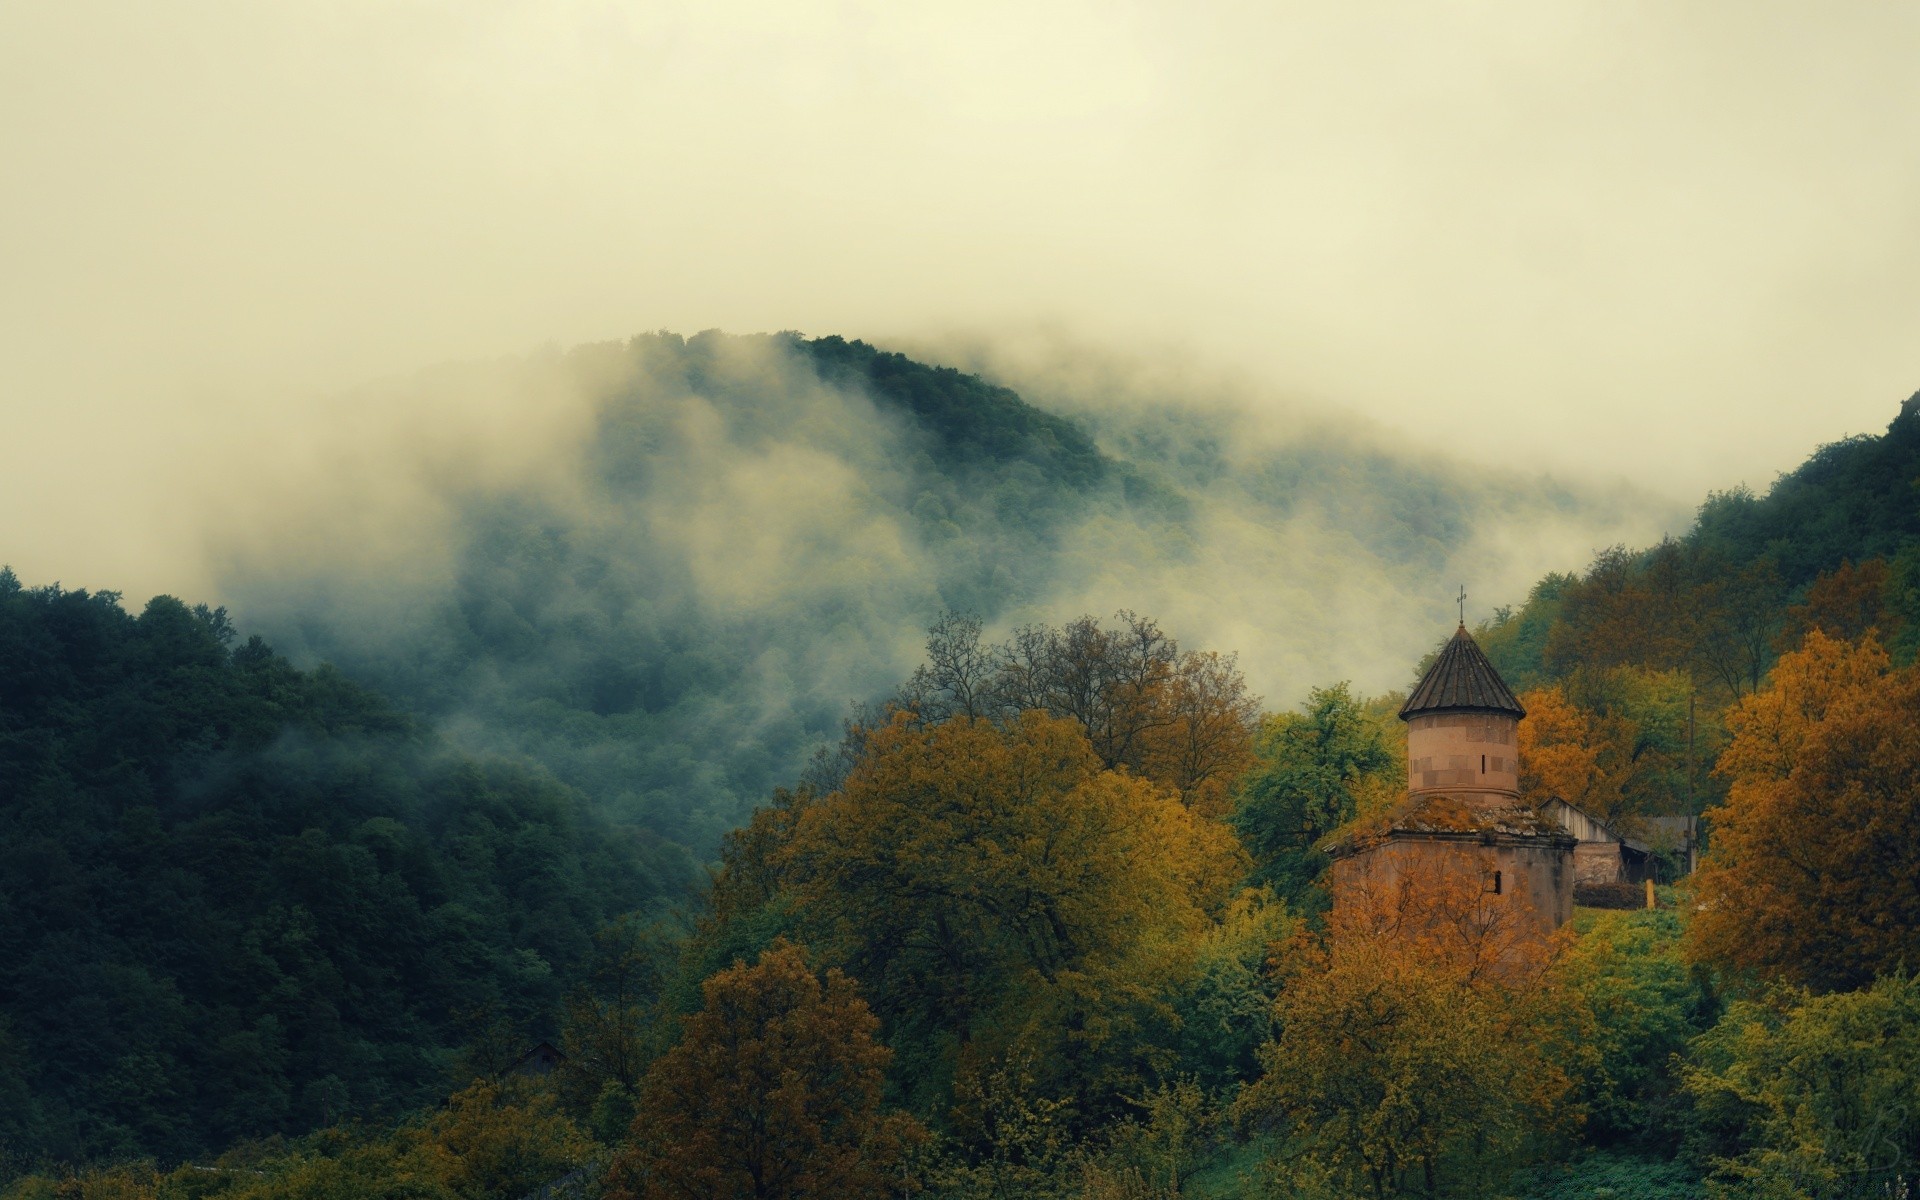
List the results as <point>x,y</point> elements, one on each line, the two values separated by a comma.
<point>1463,815</point>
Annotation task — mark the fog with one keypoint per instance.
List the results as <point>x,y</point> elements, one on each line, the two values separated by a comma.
<point>1390,299</point>
<point>1671,244</point>
<point>671,587</point>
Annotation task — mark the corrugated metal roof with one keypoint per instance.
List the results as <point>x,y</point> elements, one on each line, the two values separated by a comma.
<point>1461,680</point>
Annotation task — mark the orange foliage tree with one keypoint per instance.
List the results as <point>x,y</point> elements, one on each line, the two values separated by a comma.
<point>1813,872</point>
<point>1563,756</point>
<point>1610,741</point>
<point>1846,603</point>
<point>1422,1042</point>
<point>773,1093</point>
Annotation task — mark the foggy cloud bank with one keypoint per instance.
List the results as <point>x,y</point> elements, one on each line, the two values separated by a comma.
<point>666,567</point>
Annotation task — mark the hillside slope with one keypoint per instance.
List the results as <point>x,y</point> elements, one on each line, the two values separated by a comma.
<point>751,533</point>
<point>238,899</point>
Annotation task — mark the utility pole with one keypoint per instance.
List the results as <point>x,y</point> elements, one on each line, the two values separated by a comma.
<point>1693,815</point>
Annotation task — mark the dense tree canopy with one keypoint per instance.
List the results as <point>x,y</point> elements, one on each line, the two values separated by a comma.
<point>964,863</point>
<point>773,1093</point>
<point>1815,872</point>
<point>1315,770</point>
<point>239,899</point>
<point>1812,1096</point>
<point>1057,893</point>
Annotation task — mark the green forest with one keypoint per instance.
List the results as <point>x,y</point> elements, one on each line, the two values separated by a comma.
<point>527,888</point>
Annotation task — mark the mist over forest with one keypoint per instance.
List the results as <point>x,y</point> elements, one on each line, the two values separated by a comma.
<point>598,701</point>
<point>985,719</point>
<point>707,549</point>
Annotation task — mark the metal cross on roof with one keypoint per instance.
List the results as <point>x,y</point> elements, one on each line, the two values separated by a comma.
<point>1463,605</point>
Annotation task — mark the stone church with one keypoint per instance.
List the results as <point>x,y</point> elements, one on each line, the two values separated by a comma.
<point>1463,811</point>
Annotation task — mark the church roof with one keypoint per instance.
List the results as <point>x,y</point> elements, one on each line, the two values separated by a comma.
<point>1461,680</point>
<point>1445,817</point>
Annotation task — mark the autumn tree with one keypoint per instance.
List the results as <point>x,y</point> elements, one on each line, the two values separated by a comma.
<point>1813,875</point>
<point>1560,756</point>
<point>773,1093</point>
<point>1611,742</point>
<point>608,1020</point>
<point>1847,602</point>
<point>967,863</point>
<point>753,857</point>
<point>495,1142</point>
<point>1315,770</point>
<point>1422,1043</point>
<point>1181,718</point>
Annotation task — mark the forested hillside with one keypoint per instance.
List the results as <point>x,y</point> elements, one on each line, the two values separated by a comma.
<point>752,533</point>
<point>1044,915</point>
<point>1635,663</point>
<point>239,899</point>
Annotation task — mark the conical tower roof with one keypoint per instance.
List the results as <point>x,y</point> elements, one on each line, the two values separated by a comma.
<point>1461,680</point>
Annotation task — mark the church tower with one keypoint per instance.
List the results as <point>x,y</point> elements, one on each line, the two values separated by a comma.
<point>1463,817</point>
<point>1463,730</point>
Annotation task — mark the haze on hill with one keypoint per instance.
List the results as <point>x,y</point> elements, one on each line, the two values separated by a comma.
<point>1667,243</point>
<point>671,591</point>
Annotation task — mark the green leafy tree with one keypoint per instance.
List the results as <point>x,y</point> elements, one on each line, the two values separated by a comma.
<point>1647,1002</point>
<point>1814,1096</point>
<point>1315,770</point>
<point>609,1022</point>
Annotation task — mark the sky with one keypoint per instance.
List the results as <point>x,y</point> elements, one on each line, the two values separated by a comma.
<point>1672,244</point>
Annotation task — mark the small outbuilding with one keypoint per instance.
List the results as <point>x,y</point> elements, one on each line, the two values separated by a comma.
<point>1659,848</point>
<point>543,1059</point>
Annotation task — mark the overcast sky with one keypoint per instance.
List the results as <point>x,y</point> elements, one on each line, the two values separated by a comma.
<point>1678,243</point>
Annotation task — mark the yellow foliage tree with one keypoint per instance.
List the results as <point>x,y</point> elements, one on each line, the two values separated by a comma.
<point>959,856</point>
<point>1560,758</point>
<point>1813,871</point>
<point>976,874</point>
<point>494,1143</point>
